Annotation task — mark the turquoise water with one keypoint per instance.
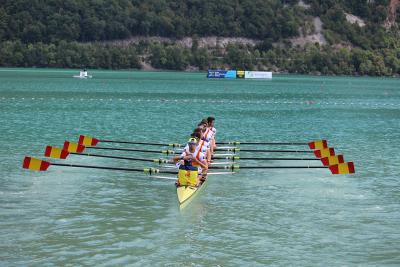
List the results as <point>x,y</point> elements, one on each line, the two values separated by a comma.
<point>71,217</point>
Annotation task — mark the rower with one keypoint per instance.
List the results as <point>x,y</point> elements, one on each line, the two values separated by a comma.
<point>192,160</point>
<point>203,123</point>
<point>209,134</point>
<point>211,124</point>
<point>203,145</point>
<point>211,131</point>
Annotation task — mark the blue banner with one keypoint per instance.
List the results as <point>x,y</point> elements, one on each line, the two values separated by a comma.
<point>221,74</point>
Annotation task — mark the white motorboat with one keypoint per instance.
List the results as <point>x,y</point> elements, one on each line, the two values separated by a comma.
<point>83,74</point>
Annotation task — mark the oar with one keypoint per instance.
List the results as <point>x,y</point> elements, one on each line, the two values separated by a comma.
<point>58,153</point>
<point>167,152</point>
<point>41,165</point>
<point>327,161</point>
<point>236,150</point>
<point>316,144</point>
<point>91,141</point>
<point>78,148</point>
<point>260,143</point>
<point>236,158</point>
<point>341,168</point>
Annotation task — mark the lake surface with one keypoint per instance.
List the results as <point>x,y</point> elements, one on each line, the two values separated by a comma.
<point>69,217</point>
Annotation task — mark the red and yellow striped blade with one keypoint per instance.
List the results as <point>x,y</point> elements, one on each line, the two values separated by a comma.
<point>73,147</point>
<point>318,144</point>
<point>332,160</point>
<point>55,152</point>
<point>326,152</point>
<point>35,164</point>
<point>87,140</point>
<point>343,168</point>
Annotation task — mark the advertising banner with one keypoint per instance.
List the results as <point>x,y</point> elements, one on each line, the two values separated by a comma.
<point>240,74</point>
<point>221,74</point>
<point>258,75</point>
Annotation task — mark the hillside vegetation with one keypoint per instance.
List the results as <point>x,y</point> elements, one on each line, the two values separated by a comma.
<point>97,34</point>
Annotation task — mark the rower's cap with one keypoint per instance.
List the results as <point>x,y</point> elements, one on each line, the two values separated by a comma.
<point>192,141</point>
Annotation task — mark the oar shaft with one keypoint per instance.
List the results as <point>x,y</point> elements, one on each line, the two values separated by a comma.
<point>133,150</point>
<point>272,151</point>
<point>137,143</point>
<point>236,167</point>
<point>149,171</point>
<point>222,155</point>
<point>241,158</point>
<point>262,143</point>
<point>96,167</point>
<point>111,157</point>
<point>218,143</point>
<point>283,167</point>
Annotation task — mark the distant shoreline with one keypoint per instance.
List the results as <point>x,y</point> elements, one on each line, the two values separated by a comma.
<point>76,70</point>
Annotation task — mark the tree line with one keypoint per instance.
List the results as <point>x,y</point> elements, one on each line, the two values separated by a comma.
<point>313,59</point>
<point>96,20</point>
<point>68,55</point>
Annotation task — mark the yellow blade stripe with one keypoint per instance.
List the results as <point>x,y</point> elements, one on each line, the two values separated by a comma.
<point>333,160</point>
<point>343,168</point>
<point>35,164</point>
<point>55,153</point>
<point>325,152</point>
<point>87,141</point>
<point>319,144</point>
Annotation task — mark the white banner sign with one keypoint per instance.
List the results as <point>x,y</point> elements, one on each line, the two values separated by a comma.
<point>258,75</point>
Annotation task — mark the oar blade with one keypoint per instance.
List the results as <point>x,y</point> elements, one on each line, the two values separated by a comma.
<point>35,164</point>
<point>343,168</point>
<point>87,140</point>
<point>326,152</point>
<point>332,160</point>
<point>73,147</point>
<point>318,144</point>
<point>55,152</point>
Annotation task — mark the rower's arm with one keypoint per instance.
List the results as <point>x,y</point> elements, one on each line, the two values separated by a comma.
<point>202,163</point>
<point>208,155</point>
<point>178,158</point>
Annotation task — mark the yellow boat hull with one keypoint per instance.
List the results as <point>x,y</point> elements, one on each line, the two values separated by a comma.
<point>187,193</point>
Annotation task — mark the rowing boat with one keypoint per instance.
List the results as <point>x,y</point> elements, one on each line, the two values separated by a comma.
<point>187,193</point>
